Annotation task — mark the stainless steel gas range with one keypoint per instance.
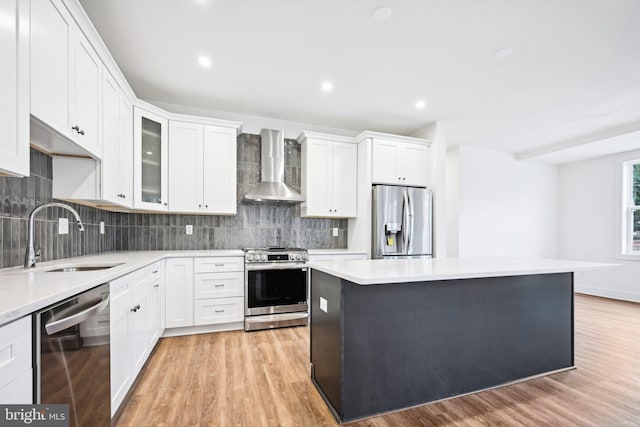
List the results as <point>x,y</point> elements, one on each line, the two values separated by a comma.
<point>275,288</point>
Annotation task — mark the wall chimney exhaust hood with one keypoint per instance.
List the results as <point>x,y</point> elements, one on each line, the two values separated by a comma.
<point>272,186</point>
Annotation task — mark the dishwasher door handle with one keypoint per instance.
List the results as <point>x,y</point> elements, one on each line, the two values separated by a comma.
<point>76,318</point>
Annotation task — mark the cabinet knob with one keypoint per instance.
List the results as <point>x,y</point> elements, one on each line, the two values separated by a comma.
<point>81,132</point>
<point>76,128</point>
<point>206,206</point>
<point>199,206</point>
<point>165,203</point>
<point>136,308</point>
<point>404,178</point>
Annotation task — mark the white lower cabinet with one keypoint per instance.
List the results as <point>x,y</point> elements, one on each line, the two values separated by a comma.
<point>179,292</point>
<point>135,326</point>
<point>218,310</point>
<point>15,362</point>
<point>119,313</point>
<point>219,285</point>
<point>219,290</point>
<point>204,291</point>
<point>155,314</point>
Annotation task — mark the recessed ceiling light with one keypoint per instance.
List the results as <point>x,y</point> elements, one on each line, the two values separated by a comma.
<point>204,61</point>
<point>421,104</point>
<point>381,14</point>
<point>327,86</point>
<point>503,53</point>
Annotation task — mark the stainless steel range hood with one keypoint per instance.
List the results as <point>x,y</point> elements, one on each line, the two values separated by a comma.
<point>272,186</point>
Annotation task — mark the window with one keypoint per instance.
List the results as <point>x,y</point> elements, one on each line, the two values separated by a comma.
<point>631,208</point>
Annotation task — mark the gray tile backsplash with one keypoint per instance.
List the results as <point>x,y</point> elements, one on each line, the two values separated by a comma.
<point>256,224</point>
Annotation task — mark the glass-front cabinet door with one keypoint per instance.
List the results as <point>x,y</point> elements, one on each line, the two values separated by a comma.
<point>151,162</point>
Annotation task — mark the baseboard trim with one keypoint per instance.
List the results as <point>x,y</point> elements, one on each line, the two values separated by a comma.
<point>206,329</point>
<point>609,293</point>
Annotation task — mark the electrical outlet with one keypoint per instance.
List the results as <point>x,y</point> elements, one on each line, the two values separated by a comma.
<point>101,227</point>
<point>63,225</point>
<point>189,230</point>
<point>335,231</point>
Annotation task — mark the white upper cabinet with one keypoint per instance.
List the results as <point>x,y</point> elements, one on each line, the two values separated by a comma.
<point>65,76</point>
<point>117,144</point>
<point>150,160</point>
<point>84,96</point>
<point>399,163</point>
<point>185,166</point>
<point>105,181</point>
<point>220,170</point>
<point>14,86</point>
<point>51,27</point>
<point>329,176</point>
<point>202,168</point>
<point>125,152</point>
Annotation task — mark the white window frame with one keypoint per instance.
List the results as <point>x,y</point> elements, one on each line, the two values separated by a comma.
<point>627,208</point>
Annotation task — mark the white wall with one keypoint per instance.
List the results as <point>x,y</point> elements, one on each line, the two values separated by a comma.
<point>504,207</point>
<point>588,209</point>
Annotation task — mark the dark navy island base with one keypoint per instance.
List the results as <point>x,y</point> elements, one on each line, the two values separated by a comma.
<point>379,348</point>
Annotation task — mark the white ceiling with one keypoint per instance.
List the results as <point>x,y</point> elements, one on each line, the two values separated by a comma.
<point>575,69</point>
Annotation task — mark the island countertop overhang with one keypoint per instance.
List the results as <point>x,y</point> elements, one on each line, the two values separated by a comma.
<point>386,271</point>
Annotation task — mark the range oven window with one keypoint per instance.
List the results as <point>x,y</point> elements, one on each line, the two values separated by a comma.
<point>266,288</point>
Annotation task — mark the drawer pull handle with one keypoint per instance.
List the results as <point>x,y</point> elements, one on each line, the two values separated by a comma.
<point>103,321</point>
<point>219,265</point>
<point>156,285</point>
<point>219,311</point>
<point>154,272</point>
<point>219,286</point>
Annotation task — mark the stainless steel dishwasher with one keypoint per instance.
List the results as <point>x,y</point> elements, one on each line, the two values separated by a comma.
<point>72,357</point>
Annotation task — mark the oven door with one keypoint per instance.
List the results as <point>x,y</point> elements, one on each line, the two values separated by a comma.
<point>275,288</point>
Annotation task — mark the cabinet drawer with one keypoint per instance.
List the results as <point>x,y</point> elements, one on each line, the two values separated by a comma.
<point>219,264</point>
<point>219,285</point>
<point>219,310</point>
<point>154,271</point>
<point>15,350</point>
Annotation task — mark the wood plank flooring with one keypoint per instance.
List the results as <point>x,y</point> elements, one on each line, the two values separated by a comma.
<point>262,379</point>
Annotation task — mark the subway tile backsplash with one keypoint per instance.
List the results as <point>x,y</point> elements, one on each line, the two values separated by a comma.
<point>256,224</point>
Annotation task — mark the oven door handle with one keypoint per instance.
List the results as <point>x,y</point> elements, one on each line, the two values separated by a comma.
<point>275,266</point>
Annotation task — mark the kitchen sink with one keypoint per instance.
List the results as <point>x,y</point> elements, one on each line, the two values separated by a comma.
<point>75,268</point>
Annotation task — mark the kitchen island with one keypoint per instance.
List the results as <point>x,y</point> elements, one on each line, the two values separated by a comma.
<point>390,334</point>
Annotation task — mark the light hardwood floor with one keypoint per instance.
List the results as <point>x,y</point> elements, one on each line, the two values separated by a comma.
<point>262,379</point>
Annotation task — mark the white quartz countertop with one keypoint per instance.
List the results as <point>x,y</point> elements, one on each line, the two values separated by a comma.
<point>335,252</point>
<point>24,291</point>
<point>382,271</point>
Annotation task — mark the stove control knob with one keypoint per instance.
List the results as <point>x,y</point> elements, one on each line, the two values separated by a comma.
<point>291,257</point>
<point>298,257</point>
<point>263,257</point>
<point>249,257</point>
<point>305,257</point>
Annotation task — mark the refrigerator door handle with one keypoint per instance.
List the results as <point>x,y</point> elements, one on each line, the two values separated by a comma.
<point>406,219</point>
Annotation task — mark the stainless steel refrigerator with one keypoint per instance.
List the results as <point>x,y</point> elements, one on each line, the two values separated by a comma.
<point>402,222</point>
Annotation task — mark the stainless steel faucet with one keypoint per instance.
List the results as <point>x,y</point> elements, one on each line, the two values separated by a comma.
<point>30,254</point>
